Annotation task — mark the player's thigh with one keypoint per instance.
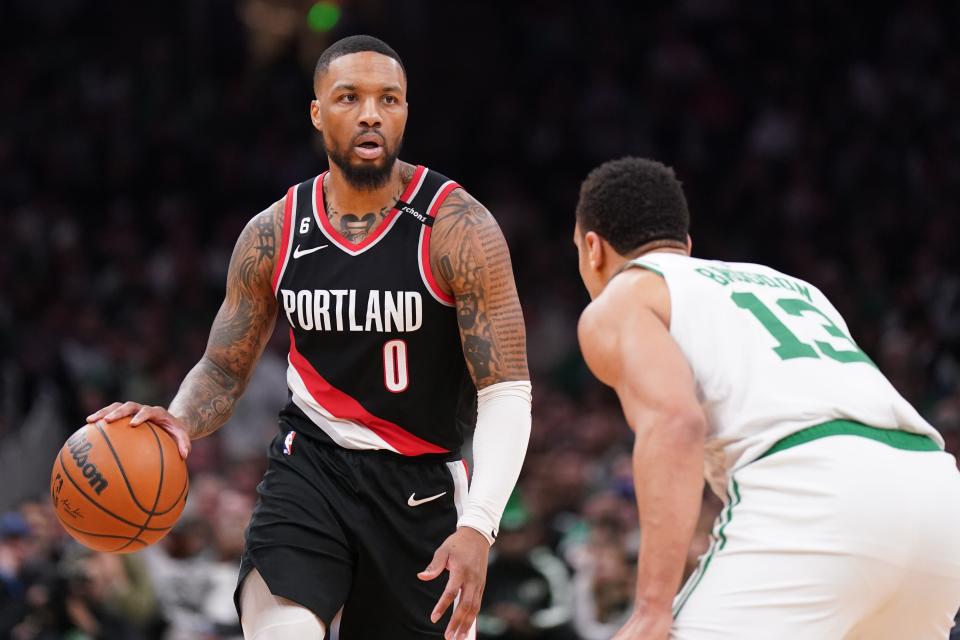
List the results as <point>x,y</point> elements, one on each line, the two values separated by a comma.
<point>800,555</point>
<point>758,596</point>
<point>922,609</point>
<point>772,571</point>
<point>416,508</point>
<point>926,595</point>
<point>295,539</point>
<point>269,617</point>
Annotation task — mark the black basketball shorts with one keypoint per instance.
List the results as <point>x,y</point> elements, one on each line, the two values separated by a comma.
<point>335,527</point>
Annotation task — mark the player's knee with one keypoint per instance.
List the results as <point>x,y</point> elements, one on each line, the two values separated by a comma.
<point>265,616</point>
<point>288,625</point>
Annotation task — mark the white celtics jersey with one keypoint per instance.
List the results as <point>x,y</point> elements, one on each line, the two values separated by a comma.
<point>770,356</point>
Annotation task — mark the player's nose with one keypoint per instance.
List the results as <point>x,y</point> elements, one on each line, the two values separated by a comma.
<point>370,113</point>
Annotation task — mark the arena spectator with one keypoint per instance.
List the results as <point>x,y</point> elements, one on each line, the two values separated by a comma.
<point>528,587</point>
<point>14,549</point>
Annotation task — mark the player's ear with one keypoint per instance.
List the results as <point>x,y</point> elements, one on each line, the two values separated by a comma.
<point>689,245</point>
<point>315,117</point>
<point>594,246</point>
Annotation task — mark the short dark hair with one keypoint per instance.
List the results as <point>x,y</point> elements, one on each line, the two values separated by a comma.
<point>353,44</point>
<point>631,202</point>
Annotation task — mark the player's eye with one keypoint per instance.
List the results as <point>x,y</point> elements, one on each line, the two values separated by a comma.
<point>348,97</point>
<point>389,99</point>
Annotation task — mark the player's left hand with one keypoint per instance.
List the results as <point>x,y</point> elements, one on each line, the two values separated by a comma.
<point>647,623</point>
<point>464,554</point>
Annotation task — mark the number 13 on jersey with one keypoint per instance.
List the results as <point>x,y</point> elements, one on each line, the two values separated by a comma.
<point>395,374</point>
<point>789,345</point>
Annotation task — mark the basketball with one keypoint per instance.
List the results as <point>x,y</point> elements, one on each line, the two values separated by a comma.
<point>117,488</point>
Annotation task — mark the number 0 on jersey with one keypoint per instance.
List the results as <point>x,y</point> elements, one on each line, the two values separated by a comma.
<point>395,376</point>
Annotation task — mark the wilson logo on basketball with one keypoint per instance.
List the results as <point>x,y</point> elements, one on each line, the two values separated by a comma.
<point>78,447</point>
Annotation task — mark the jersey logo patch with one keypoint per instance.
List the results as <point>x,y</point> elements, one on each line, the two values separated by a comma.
<point>415,503</point>
<point>297,252</point>
<point>288,443</point>
<point>408,208</point>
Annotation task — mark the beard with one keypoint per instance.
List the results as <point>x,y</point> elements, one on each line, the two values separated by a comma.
<point>365,176</point>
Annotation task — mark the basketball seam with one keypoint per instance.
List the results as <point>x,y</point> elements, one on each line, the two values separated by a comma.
<point>159,489</point>
<point>183,489</point>
<point>97,504</point>
<point>123,474</point>
<point>106,535</point>
<point>186,483</point>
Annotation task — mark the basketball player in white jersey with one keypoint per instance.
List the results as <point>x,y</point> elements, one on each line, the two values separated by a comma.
<point>842,511</point>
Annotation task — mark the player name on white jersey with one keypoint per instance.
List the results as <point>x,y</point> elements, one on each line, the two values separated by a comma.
<point>338,310</point>
<point>726,276</point>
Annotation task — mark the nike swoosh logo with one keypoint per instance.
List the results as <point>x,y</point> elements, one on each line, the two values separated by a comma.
<point>297,253</point>
<point>416,503</point>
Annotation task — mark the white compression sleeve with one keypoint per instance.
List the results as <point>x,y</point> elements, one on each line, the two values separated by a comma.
<point>499,445</point>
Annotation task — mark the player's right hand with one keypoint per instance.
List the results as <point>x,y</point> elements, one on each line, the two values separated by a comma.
<point>144,413</point>
<point>647,623</point>
<point>464,554</point>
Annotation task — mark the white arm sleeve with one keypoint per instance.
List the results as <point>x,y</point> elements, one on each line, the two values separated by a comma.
<point>499,445</point>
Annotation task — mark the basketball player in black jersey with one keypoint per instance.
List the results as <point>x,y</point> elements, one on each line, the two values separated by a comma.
<point>405,327</point>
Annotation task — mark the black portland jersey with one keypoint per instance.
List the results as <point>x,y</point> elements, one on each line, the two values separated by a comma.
<point>375,355</point>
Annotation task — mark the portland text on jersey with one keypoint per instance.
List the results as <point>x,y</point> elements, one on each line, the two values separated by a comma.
<point>336,310</point>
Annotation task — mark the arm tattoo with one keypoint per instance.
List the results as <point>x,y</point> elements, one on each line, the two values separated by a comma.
<point>469,252</point>
<point>266,239</point>
<point>240,330</point>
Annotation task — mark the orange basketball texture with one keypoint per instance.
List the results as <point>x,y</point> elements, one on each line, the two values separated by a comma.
<point>119,488</point>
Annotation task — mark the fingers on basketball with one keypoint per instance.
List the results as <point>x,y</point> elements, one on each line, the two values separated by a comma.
<point>158,415</point>
<point>182,439</point>
<point>162,418</point>
<point>97,415</point>
<point>124,410</point>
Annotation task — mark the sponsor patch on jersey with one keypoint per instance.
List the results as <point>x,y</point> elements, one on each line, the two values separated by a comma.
<point>288,443</point>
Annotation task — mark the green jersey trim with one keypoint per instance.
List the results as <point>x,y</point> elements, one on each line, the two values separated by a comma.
<point>892,437</point>
<point>642,265</point>
<point>717,544</point>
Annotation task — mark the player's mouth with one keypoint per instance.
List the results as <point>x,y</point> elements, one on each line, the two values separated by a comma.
<point>369,146</point>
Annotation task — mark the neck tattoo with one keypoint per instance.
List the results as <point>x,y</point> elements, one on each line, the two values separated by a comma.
<point>356,227</point>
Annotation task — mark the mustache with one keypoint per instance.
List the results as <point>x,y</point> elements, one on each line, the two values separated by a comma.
<point>368,133</point>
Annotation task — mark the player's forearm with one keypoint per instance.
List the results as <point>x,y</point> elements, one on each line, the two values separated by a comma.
<point>668,475</point>
<point>499,446</point>
<point>206,398</point>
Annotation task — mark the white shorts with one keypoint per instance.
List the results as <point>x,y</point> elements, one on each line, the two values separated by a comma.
<point>841,537</point>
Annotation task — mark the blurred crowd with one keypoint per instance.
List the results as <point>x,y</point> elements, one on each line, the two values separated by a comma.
<point>136,139</point>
